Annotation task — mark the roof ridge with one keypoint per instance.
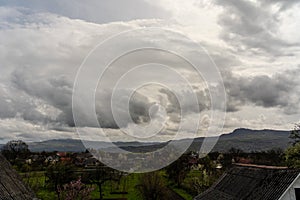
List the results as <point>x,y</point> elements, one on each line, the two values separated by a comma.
<point>261,166</point>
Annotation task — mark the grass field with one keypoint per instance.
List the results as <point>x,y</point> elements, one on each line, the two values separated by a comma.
<point>127,184</point>
<point>36,180</point>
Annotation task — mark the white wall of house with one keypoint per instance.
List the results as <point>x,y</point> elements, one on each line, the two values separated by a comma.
<point>290,193</point>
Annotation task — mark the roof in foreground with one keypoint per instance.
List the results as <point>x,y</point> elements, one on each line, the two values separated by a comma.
<point>11,186</point>
<point>251,182</point>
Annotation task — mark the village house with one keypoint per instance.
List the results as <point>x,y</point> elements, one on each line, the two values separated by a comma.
<point>254,182</point>
<point>11,185</point>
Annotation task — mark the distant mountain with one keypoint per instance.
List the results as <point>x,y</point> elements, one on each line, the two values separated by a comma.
<point>73,145</point>
<point>246,139</point>
<point>70,145</point>
<point>249,140</point>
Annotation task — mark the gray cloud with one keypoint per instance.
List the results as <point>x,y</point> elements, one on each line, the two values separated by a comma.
<point>251,28</point>
<point>94,10</point>
<point>57,92</point>
<point>53,91</point>
<point>284,4</point>
<point>39,76</point>
<point>138,112</point>
<point>40,53</point>
<point>139,108</point>
<point>15,103</point>
<point>280,90</point>
<point>189,107</point>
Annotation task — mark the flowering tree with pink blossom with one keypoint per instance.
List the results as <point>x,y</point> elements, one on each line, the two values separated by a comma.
<point>75,190</point>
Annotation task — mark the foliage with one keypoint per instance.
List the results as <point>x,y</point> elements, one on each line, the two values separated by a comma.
<point>235,151</point>
<point>15,149</point>
<point>292,156</point>
<point>273,157</point>
<point>151,187</point>
<point>178,170</point>
<point>295,134</point>
<point>75,190</point>
<point>34,180</point>
<point>59,174</point>
<point>99,175</point>
<point>208,164</point>
<point>183,193</point>
<point>199,183</point>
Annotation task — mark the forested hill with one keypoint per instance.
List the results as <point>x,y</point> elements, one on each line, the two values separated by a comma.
<point>250,140</point>
<point>245,139</point>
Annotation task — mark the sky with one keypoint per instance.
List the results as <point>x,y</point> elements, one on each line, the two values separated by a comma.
<point>255,45</point>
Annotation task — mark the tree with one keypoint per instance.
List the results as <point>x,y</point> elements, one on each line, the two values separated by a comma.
<point>295,134</point>
<point>235,151</point>
<point>151,187</point>
<point>292,153</point>
<point>178,170</point>
<point>199,184</point>
<point>75,190</point>
<point>292,156</point>
<point>99,175</point>
<point>57,175</point>
<point>14,149</point>
<point>208,165</point>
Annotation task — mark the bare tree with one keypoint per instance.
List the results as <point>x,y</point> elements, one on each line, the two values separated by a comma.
<point>99,175</point>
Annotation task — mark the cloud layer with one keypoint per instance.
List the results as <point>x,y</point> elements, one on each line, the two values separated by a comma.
<point>43,44</point>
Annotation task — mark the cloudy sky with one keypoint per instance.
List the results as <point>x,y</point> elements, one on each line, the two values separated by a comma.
<point>254,43</point>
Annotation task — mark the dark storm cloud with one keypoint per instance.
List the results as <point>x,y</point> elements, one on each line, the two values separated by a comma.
<point>280,90</point>
<point>249,27</point>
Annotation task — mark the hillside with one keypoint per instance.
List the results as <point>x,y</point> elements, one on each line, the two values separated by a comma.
<point>249,140</point>
<point>246,139</point>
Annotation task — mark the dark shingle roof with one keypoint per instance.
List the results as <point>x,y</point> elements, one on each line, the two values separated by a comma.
<point>251,183</point>
<point>11,186</point>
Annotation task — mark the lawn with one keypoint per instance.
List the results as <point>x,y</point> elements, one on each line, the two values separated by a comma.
<point>127,184</point>
<point>36,180</point>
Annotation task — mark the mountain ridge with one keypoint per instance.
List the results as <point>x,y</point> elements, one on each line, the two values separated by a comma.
<point>241,138</point>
